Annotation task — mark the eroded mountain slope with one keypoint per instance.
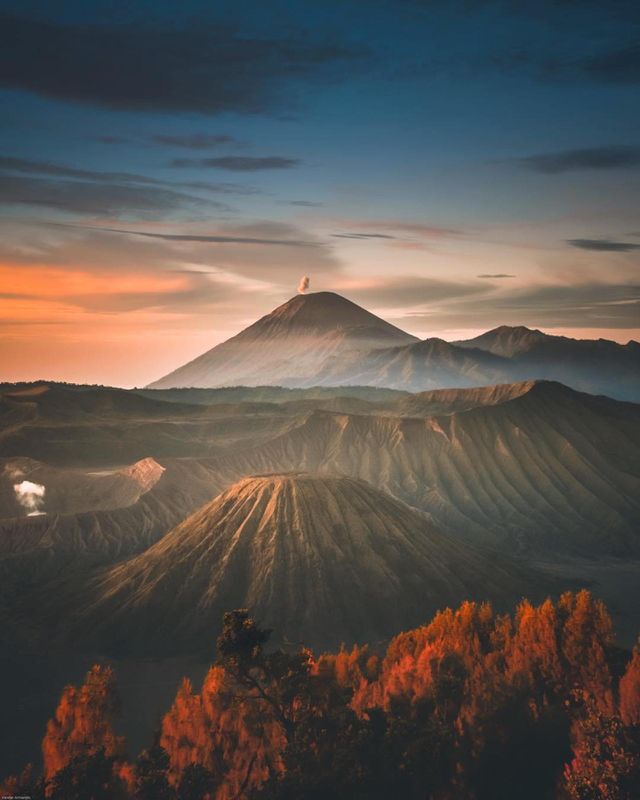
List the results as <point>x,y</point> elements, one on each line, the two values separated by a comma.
<point>39,548</point>
<point>548,470</point>
<point>328,556</point>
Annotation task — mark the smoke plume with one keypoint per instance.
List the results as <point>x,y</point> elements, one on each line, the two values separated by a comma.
<point>303,285</point>
<point>30,496</point>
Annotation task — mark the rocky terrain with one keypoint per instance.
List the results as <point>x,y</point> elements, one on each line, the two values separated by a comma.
<point>536,469</point>
<point>330,555</point>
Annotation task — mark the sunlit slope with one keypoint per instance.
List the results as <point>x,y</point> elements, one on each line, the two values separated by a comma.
<point>448,401</point>
<point>548,470</point>
<point>329,556</point>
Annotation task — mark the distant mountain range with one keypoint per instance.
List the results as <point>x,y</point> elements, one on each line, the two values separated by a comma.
<point>323,339</point>
<point>344,523</point>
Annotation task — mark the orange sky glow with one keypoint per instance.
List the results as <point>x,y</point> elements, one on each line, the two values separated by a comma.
<point>58,324</point>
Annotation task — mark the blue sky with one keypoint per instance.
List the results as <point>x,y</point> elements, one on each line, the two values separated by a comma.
<point>450,165</point>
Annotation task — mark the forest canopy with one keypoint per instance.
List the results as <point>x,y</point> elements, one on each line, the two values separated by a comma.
<point>538,704</point>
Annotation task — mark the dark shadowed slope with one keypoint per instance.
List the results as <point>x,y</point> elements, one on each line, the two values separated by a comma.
<point>329,557</point>
<point>289,346</point>
<point>272,394</point>
<point>53,401</point>
<point>101,427</point>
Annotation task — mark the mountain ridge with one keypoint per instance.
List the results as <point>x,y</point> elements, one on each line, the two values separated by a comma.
<point>324,339</point>
<point>547,469</point>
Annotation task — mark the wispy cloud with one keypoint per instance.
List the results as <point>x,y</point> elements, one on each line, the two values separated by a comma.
<point>495,275</point>
<point>195,141</point>
<point>394,229</point>
<point>603,245</point>
<point>209,238</point>
<point>267,252</point>
<point>410,291</point>
<point>101,199</point>
<point>34,167</point>
<point>46,184</point>
<point>362,236</point>
<point>78,286</point>
<point>238,163</point>
<point>26,166</point>
<point>590,158</point>
<point>587,304</point>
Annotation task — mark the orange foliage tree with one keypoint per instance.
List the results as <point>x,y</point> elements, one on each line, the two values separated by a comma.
<point>83,723</point>
<point>630,691</point>
<point>474,704</point>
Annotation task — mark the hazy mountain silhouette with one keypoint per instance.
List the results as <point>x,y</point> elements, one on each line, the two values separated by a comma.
<point>323,339</point>
<point>599,366</point>
<point>290,346</point>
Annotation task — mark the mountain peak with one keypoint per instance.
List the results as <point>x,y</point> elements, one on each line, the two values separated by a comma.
<point>505,340</point>
<point>300,550</point>
<point>317,312</point>
<point>291,345</point>
<point>324,339</point>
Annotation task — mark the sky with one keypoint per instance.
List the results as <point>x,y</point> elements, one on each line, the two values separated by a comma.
<point>169,172</point>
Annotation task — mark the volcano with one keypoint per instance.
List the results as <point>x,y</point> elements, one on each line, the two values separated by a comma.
<point>321,559</point>
<point>323,339</point>
<point>290,346</point>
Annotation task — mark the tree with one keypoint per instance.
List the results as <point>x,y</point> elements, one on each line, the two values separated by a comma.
<point>606,763</point>
<point>630,690</point>
<point>151,781</point>
<point>87,777</point>
<point>196,783</point>
<point>83,723</point>
<point>26,784</point>
<point>470,705</point>
<point>279,679</point>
